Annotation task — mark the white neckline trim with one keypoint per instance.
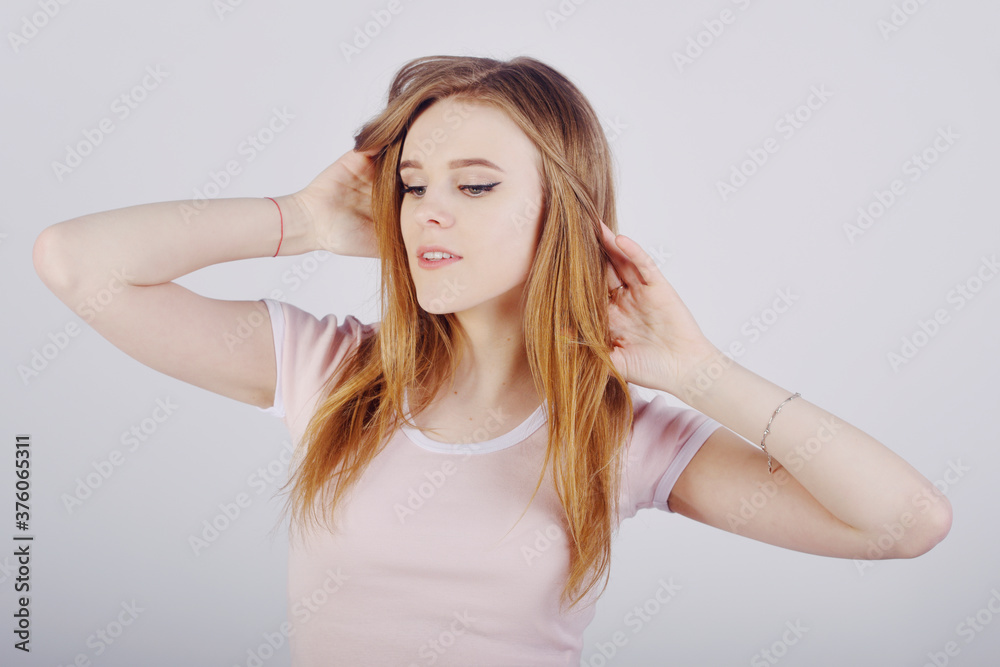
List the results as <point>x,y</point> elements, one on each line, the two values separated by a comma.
<point>516,435</point>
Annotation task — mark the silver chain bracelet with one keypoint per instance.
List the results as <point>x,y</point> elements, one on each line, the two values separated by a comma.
<point>767,429</point>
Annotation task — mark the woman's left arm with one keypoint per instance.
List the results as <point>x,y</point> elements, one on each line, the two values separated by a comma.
<point>834,491</point>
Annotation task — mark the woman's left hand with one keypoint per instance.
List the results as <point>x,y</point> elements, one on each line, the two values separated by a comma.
<point>656,339</point>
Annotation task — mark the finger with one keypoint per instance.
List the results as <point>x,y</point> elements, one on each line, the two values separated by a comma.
<point>624,265</point>
<point>616,256</point>
<point>612,278</point>
<point>608,237</point>
<point>639,260</point>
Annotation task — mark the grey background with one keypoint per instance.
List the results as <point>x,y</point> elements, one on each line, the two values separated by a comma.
<point>676,132</point>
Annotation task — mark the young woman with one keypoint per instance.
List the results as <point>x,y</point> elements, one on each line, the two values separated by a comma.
<point>464,463</point>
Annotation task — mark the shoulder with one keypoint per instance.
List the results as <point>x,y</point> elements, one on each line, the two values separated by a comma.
<point>309,350</point>
<point>660,419</point>
<point>663,440</point>
<point>297,329</point>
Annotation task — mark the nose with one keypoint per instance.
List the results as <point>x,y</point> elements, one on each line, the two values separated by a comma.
<point>432,209</point>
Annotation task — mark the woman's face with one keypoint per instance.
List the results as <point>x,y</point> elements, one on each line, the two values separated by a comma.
<point>472,188</point>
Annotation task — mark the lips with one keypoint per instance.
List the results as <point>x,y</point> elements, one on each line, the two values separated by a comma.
<point>435,248</point>
<point>436,263</point>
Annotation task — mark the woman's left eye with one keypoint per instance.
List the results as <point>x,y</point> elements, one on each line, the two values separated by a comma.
<point>485,188</point>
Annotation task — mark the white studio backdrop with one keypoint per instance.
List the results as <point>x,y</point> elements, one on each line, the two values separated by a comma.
<point>817,180</point>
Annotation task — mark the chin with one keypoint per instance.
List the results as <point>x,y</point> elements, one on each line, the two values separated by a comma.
<point>436,306</point>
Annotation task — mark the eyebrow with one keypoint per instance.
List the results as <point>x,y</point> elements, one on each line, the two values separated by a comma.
<point>454,164</point>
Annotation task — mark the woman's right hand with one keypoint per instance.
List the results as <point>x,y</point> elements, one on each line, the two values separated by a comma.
<point>337,204</point>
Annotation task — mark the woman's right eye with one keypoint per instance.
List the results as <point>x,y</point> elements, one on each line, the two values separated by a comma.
<point>408,189</point>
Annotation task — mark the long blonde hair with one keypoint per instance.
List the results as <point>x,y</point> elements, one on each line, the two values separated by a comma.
<point>566,335</point>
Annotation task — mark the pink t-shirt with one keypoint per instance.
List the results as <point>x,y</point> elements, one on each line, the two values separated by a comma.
<point>431,565</point>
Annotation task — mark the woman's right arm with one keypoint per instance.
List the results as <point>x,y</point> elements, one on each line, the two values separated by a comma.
<point>115,268</point>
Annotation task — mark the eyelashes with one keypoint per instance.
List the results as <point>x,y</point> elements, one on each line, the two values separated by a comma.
<point>486,187</point>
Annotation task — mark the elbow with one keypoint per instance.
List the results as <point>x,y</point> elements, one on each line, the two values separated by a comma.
<point>44,259</point>
<point>930,529</point>
<point>909,535</point>
<point>40,253</point>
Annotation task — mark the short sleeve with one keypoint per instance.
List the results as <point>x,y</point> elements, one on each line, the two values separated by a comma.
<point>278,331</point>
<point>663,441</point>
<point>307,352</point>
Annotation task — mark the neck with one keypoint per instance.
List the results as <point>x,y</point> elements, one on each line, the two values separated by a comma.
<point>494,364</point>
